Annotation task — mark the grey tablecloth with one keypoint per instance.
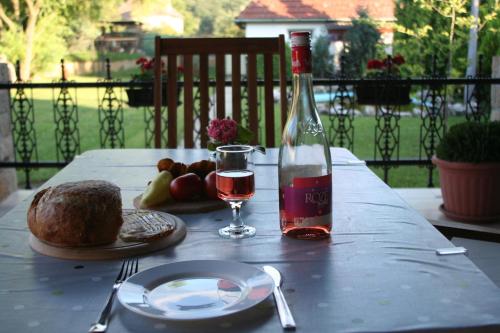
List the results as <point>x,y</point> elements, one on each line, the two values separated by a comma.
<point>378,273</point>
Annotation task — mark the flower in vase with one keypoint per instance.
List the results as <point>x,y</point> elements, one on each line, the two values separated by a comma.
<point>227,131</point>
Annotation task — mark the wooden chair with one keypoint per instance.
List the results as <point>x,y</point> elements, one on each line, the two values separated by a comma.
<point>174,48</point>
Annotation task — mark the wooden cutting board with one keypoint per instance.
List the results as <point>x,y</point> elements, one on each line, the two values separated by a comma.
<point>117,250</point>
<point>187,207</point>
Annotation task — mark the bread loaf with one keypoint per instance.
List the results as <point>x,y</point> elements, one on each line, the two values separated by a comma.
<point>83,213</point>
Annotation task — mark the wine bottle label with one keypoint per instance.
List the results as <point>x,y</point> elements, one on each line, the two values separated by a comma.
<point>301,53</point>
<point>308,201</point>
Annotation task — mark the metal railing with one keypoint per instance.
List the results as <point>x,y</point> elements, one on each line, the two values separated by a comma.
<point>340,101</point>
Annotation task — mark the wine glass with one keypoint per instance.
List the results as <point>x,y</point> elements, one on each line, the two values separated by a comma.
<point>235,184</point>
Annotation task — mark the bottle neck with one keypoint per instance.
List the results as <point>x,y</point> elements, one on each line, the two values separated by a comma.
<point>303,96</point>
<point>303,100</point>
<point>302,82</point>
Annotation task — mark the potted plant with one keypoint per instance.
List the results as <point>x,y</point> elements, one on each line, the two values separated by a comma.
<point>373,93</point>
<point>144,96</point>
<point>468,159</point>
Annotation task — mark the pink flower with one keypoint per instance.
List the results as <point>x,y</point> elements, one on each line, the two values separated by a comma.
<point>223,130</point>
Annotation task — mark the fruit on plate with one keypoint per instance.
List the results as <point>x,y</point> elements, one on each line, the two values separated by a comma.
<point>189,182</point>
<point>201,168</point>
<point>158,191</point>
<point>211,186</point>
<point>175,168</point>
<point>186,187</point>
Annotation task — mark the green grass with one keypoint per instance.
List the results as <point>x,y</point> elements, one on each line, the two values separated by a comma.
<point>134,125</point>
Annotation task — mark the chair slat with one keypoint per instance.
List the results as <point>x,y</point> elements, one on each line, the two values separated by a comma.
<point>219,47</point>
<point>236,86</point>
<point>269,99</point>
<point>252,97</point>
<point>188,101</point>
<point>204,99</point>
<point>172,101</point>
<point>220,78</point>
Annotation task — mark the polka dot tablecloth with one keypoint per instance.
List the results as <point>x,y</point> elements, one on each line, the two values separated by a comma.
<point>378,273</point>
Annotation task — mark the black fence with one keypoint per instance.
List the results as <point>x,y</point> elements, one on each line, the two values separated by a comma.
<point>342,102</point>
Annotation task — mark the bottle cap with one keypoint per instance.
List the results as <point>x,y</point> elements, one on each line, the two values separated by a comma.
<point>300,38</point>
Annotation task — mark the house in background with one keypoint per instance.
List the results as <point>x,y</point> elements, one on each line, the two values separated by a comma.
<point>269,18</point>
<point>128,32</point>
<point>119,36</point>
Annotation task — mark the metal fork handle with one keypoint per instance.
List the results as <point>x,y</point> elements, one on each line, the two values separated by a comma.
<point>102,323</point>
<point>286,317</point>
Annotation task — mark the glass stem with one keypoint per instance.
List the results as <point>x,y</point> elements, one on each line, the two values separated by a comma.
<point>237,221</point>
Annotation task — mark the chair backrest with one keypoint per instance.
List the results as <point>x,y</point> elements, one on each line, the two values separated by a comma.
<point>187,48</point>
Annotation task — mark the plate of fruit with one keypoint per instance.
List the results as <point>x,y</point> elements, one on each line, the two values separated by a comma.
<point>179,188</point>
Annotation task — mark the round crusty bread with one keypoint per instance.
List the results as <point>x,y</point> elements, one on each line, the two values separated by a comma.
<point>84,213</point>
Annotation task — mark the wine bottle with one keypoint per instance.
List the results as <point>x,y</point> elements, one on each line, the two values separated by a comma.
<point>305,168</point>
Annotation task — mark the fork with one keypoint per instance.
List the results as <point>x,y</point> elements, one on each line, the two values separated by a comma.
<point>129,267</point>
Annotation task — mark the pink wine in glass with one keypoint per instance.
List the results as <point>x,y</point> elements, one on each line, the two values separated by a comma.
<point>235,185</point>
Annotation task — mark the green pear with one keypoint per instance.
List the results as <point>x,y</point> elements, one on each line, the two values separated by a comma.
<point>158,191</point>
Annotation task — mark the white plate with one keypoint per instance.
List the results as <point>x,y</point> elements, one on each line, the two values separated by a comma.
<point>193,290</point>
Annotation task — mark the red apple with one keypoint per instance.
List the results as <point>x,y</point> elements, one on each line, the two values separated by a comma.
<point>211,186</point>
<point>186,187</point>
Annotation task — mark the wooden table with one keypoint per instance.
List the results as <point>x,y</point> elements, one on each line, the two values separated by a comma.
<point>378,273</point>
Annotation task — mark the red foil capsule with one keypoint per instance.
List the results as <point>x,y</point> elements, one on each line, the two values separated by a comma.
<point>301,52</point>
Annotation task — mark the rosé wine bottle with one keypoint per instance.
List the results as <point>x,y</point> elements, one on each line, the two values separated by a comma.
<point>305,168</point>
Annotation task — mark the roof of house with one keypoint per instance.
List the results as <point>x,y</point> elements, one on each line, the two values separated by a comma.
<point>315,10</point>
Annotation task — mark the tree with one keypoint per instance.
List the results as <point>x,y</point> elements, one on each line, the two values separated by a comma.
<point>414,38</point>
<point>456,13</point>
<point>440,28</point>
<point>489,42</point>
<point>215,18</point>
<point>191,22</point>
<point>22,20</point>
<point>322,59</point>
<point>360,44</point>
<point>36,31</point>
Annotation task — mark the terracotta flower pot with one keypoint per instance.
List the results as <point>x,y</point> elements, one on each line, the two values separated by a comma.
<point>471,191</point>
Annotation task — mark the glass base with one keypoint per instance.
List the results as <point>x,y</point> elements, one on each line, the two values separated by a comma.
<point>237,233</point>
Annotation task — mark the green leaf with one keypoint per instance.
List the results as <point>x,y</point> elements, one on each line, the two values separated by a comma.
<point>212,145</point>
<point>244,135</point>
